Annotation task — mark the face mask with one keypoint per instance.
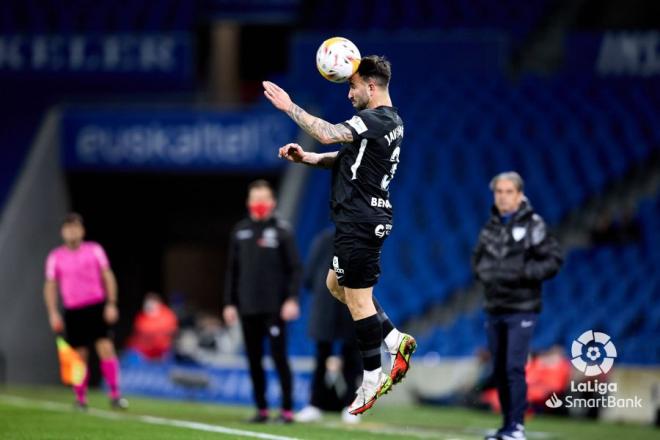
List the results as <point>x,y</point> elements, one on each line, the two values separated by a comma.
<point>260,210</point>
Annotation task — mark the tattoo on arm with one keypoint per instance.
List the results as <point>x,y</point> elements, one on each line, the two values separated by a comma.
<point>319,129</point>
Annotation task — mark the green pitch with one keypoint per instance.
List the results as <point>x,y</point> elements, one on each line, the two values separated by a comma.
<point>46,413</point>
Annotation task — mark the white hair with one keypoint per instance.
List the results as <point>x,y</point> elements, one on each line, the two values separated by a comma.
<point>508,175</point>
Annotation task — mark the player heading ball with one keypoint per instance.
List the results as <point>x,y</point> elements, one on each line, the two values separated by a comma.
<point>362,171</point>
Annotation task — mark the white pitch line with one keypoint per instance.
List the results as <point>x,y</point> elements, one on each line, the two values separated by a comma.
<point>408,432</point>
<point>197,426</point>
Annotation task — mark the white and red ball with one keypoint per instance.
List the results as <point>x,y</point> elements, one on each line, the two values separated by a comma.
<point>337,59</point>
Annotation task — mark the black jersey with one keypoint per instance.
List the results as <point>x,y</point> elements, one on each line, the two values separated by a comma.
<point>364,168</point>
<point>263,267</point>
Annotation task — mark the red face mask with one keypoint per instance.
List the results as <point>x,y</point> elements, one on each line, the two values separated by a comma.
<point>260,210</point>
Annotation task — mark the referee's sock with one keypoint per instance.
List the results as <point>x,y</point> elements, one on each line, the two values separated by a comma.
<point>369,333</point>
<point>390,333</point>
<point>110,371</point>
<point>81,390</point>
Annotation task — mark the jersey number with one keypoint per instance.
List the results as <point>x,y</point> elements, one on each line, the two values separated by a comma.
<point>387,178</point>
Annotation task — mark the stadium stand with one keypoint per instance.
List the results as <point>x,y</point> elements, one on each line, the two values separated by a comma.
<point>513,16</point>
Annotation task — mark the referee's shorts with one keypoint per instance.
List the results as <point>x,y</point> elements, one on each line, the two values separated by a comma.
<point>86,325</point>
<point>357,247</point>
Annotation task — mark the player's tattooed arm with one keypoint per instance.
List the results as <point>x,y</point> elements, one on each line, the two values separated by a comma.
<point>321,130</point>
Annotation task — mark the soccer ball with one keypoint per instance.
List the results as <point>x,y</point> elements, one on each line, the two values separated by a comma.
<point>337,59</point>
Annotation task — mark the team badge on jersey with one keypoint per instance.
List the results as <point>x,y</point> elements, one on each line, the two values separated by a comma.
<point>269,238</point>
<point>518,233</point>
<point>358,124</point>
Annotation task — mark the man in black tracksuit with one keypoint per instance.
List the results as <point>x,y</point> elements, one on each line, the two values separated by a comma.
<point>262,283</point>
<point>514,255</point>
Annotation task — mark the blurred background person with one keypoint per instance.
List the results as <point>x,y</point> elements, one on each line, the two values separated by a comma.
<point>329,322</point>
<point>262,283</point>
<point>154,328</point>
<point>80,271</point>
<point>547,372</point>
<point>514,255</point>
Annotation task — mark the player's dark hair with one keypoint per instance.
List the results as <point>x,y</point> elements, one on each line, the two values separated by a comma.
<point>261,183</point>
<point>377,68</point>
<point>71,218</point>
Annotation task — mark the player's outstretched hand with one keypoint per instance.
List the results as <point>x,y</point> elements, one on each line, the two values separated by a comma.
<point>277,96</point>
<point>292,152</point>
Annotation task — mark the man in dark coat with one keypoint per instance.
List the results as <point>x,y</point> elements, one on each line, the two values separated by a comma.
<point>514,255</point>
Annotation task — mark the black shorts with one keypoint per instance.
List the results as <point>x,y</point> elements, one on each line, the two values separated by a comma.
<point>356,259</point>
<point>85,326</point>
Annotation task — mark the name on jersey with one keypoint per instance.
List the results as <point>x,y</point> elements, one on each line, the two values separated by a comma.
<point>394,134</point>
<point>377,202</point>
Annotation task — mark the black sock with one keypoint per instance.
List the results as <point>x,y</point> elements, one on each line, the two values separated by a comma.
<point>383,318</point>
<point>369,337</point>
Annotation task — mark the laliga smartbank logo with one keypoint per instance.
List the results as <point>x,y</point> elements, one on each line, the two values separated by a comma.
<point>599,351</point>
<point>593,354</point>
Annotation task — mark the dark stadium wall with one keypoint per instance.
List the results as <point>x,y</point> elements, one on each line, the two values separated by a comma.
<point>29,228</point>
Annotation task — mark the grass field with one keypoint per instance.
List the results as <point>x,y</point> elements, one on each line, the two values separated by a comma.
<point>47,413</point>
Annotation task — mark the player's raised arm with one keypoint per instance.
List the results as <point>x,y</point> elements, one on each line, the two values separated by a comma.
<point>321,130</point>
<point>295,153</point>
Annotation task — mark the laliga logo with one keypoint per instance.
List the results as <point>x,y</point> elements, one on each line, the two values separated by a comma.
<point>593,353</point>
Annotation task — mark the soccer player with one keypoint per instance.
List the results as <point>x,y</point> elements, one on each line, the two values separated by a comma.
<point>81,272</point>
<point>361,174</point>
